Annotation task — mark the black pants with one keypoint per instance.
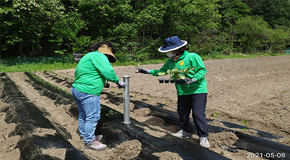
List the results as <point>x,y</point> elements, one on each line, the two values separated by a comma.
<point>196,103</point>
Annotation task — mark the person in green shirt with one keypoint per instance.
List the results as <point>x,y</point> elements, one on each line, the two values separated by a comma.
<point>91,74</point>
<point>191,92</point>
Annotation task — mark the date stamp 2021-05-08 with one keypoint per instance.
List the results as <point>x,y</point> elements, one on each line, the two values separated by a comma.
<point>266,155</point>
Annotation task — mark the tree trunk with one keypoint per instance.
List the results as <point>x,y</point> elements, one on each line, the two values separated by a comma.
<point>270,48</point>
<point>144,35</point>
<point>20,49</point>
<point>199,39</point>
<point>232,39</point>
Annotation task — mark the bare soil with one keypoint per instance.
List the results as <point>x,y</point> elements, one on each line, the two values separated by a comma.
<point>255,90</point>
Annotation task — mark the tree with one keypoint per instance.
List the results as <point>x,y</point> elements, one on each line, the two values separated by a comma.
<point>275,12</point>
<point>231,12</point>
<point>68,33</point>
<point>148,20</point>
<point>252,32</point>
<point>278,39</point>
<point>192,20</point>
<point>36,28</point>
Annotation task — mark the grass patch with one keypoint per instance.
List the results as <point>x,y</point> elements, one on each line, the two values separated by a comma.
<point>36,67</point>
<point>59,65</point>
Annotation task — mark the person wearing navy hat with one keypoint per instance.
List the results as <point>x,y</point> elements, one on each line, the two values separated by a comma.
<point>192,92</point>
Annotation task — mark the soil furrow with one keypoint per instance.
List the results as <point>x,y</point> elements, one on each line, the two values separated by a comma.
<point>144,115</point>
<point>255,90</point>
<point>58,114</point>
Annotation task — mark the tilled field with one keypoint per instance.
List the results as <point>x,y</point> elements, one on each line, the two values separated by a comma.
<point>255,90</point>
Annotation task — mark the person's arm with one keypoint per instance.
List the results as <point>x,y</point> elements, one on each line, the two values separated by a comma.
<point>164,68</point>
<point>104,67</point>
<point>199,70</point>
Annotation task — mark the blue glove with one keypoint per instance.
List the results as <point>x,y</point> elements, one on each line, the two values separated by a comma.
<point>121,84</point>
<point>142,70</point>
<point>186,81</point>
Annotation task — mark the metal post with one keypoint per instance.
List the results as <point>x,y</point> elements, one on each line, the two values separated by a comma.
<point>126,101</point>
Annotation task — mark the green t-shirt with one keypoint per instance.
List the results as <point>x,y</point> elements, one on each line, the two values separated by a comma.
<point>92,72</point>
<point>187,60</point>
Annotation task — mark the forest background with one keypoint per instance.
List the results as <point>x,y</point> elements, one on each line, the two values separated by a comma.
<point>43,28</point>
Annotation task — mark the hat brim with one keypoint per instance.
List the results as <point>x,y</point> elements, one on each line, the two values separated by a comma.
<point>107,51</point>
<point>171,48</point>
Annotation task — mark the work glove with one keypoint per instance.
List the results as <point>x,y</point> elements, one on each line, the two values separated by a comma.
<point>142,70</point>
<point>121,84</point>
<point>186,81</point>
<point>107,85</point>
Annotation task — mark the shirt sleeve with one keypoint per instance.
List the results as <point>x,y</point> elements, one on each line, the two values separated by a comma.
<point>199,70</point>
<point>164,68</point>
<point>105,69</point>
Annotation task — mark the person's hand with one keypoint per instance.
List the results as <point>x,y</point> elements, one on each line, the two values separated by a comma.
<point>142,70</point>
<point>186,81</point>
<point>121,84</point>
<point>107,85</point>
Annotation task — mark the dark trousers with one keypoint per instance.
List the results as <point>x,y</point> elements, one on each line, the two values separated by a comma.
<point>196,103</point>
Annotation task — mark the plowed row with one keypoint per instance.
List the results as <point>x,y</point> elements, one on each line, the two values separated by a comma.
<point>59,110</point>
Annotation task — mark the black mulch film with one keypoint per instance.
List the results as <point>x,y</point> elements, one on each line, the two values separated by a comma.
<point>28,118</point>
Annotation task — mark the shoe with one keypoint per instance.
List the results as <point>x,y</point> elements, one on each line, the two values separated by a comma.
<point>95,145</point>
<point>98,137</point>
<point>204,142</point>
<point>182,134</point>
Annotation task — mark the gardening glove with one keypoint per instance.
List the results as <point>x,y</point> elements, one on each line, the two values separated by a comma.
<point>186,81</point>
<point>121,84</point>
<point>142,70</point>
<point>107,85</point>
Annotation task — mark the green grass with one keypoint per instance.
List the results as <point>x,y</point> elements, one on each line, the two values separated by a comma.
<point>58,65</point>
<point>36,67</point>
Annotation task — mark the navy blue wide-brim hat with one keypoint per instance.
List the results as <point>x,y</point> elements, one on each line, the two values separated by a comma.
<point>171,44</point>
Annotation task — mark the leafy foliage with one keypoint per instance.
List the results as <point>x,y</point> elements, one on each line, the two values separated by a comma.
<point>251,32</point>
<point>245,122</point>
<point>215,115</point>
<point>177,73</point>
<point>231,12</point>
<point>34,28</point>
<point>275,12</point>
<point>27,25</point>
